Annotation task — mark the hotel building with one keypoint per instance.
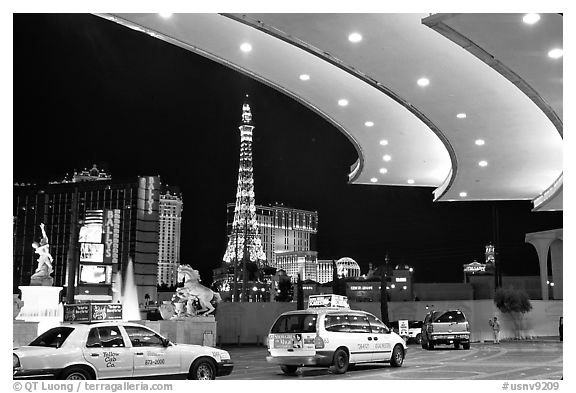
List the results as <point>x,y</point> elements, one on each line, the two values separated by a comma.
<point>170,222</point>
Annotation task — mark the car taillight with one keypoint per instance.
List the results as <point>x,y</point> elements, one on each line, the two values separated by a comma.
<point>467,326</point>
<point>318,342</point>
<point>15,361</point>
<point>431,328</point>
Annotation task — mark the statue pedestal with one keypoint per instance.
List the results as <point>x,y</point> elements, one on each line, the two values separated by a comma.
<point>42,305</point>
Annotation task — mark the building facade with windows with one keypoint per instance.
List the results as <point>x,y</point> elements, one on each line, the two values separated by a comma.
<point>126,213</point>
<point>282,229</point>
<point>169,233</point>
<point>298,262</point>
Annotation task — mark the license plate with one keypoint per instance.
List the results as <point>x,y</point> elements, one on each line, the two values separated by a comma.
<point>449,337</point>
<point>284,341</point>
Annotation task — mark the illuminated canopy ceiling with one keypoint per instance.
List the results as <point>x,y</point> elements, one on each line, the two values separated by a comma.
<point>470,104</point>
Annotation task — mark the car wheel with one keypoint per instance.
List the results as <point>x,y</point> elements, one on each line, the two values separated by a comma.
<point>456,345</point>
<point>76,373</point>
<point>418,338</point>
<point>397,356</point>
<point>340,363</point>
<point>430,345</point>
<point>203,369</point>
<point>289,370</point>
<point>466,345</point>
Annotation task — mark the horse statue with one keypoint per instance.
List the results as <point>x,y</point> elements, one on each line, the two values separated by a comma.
<point>193,291</point>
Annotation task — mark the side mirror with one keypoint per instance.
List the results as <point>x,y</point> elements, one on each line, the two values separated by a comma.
<point>165,342</point>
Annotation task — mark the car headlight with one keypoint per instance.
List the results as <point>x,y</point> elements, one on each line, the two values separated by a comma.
<point>224,355</point>
<point>15,361</point>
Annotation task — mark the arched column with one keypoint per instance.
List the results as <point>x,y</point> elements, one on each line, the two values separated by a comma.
<point>557,257</point>
<point>541,242</point>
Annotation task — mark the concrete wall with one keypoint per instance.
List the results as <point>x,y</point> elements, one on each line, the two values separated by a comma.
<point>443,290</point>
<point>196,330</point>
<point>249,323</point>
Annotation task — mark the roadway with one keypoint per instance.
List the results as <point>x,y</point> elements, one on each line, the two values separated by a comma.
<point>511,360</point>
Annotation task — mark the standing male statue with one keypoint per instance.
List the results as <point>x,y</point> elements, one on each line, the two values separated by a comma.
<point>42,274</point>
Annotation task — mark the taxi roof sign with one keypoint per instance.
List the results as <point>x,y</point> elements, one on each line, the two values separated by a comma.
<point>92,312</point>
<point>329,300</point>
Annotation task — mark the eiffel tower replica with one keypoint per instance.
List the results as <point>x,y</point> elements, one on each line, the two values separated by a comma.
<point>244,257</point>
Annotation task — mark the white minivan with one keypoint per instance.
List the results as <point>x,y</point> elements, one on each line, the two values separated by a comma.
<point>330,334</point>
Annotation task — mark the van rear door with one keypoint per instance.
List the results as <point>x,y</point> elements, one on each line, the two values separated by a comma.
<point>293,335</point>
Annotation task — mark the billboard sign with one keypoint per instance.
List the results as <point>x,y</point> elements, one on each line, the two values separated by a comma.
<point>91,252</point>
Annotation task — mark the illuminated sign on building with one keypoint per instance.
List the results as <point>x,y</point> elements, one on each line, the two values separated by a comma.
<point>475,267</point>
<point>361,287</point>
<point>91,231</point>
<point>150,196</point>
<point>111,235</point>
<point>95,274</point>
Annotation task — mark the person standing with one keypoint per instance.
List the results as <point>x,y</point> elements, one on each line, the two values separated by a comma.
<point>495,325</point>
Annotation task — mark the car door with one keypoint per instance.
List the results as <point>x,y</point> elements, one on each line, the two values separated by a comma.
<point>359,338</point>
<point>382,340</point>
<point>150,355</point>
<point>105,349</point>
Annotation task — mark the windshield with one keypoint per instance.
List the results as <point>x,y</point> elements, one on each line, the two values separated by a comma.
<point>295,323</point>
<point>54,337</point>
<point>450,316</point>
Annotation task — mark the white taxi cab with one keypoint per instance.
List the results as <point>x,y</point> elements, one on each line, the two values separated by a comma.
<point>330,334</point>
<point>115,350</point>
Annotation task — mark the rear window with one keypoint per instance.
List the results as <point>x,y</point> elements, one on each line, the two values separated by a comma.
<point>450,316</point>
<point>53,337</point>
<point>347,323</point>
<point>295,323</point>
<point>415,324</point>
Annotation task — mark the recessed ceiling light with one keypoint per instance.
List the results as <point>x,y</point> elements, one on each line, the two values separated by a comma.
<point>369,124</point>
<point>483,163</point>
<point>304,77</point>
<point>245,47</point>
<point>386,157</point>
<point>410,181</point>
<point>531,18</point>
<point>461,115</point>
<point>463,195</point>
<point>355,37</point>
<point>383,170</point>
<point>342,102</point>
<point>479,142</point>
<point>383,142</point>
<point>423,82</point>
<point>165,14</point>
<point>373,180</point>
<point>556,53</point>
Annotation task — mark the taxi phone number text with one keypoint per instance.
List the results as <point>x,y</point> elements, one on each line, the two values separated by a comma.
<point>154,362</point>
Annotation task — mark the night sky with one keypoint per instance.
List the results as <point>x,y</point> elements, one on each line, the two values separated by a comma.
<point>91,91</point>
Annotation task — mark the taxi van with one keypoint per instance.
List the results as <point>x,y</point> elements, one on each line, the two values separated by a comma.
<point>115,350</point>
<point>329,334</point>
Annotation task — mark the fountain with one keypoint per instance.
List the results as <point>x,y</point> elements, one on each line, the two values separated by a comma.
<point>129,299</point>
